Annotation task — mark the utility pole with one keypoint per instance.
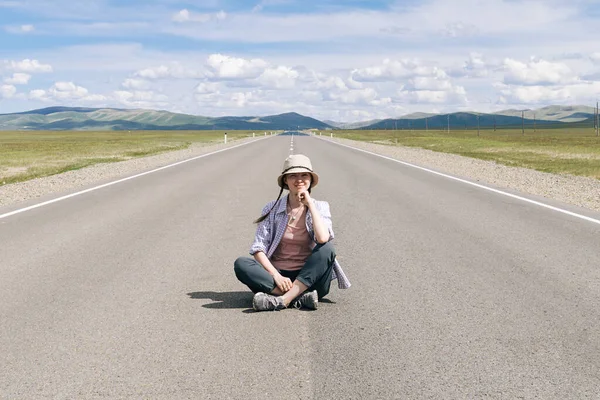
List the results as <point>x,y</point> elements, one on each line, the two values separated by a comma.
<point>494,122</point>
<point>597,119</point>
<point>426,127</point>
<point>477,125</point>
<point>523,122</point>
<point>448,123</point>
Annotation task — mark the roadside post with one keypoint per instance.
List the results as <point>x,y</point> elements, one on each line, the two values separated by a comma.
<point>225,137</point>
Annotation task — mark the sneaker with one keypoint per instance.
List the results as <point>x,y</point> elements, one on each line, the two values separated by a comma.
<point>307,300</point>
<point>267,302</point>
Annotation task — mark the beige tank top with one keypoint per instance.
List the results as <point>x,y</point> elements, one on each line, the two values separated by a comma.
<point>293,250</point>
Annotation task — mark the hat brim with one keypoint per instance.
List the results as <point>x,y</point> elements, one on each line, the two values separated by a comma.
<point>315,177</point>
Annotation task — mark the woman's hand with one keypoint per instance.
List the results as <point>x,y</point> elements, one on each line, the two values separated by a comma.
<point>284,284</point>
<point>304,197</point>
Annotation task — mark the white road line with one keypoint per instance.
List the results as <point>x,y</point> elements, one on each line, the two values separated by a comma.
<point>118,181</point>
<point>537,203</point>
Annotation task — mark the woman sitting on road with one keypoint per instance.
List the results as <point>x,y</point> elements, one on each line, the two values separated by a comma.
<point>294,260</point>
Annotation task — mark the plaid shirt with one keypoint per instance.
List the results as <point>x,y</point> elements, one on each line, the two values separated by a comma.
<point>270,231</point>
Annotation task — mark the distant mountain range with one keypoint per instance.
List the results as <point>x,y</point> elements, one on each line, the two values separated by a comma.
<point>78,118</point>
<point>550,115</point>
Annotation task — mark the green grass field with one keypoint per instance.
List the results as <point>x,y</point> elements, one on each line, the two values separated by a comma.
<point>574,151</point>
<point>26,155</point>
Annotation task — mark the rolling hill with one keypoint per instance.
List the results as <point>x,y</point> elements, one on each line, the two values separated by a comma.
<point>77,118</point>
<point>554,113</point>
<point>546,116</point>
<point>462,120</point>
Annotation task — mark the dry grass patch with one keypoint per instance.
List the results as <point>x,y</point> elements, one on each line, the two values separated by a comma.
<point>561,151</point>
<point>26,155</point>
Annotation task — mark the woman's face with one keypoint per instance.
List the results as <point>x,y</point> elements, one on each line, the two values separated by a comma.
<point>298,182</point>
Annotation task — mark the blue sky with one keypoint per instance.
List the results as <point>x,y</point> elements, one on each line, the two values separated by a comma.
<point>338,60</point>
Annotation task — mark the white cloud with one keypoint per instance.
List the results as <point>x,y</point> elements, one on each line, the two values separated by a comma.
<point>579,93</point>
<point>537,72</point>
<point>391,70</point>
<point>278,78</point>
<point>9,3</point>
<point>18,78</point>
<point>155,73</point>
<point>187,16</point>
<point>264,3</point>
<point>38,94</point>
<point>140,98</point>
<point>19,29</point>
<point>595,57</point>
<point>332,82</point>
<point>429,83</point>
<point>181,16</point>
<point>459,29</point>
<point>352,84</point>
<point>207,87</point>
<point>27,65</point>
<point>433,96</point>
<point>175,70</point>
<point>477,66</point>
<point>221,15</point>
<point>432,90</point>
<point>67,90</point>
<point>424,21</point>
<point>226,67</point>
<point>95,98</point>
<point>492,16</point>
<point>364,96</point>
<point>136,84</point>
<point>395,30</point>
<point>7,91</point>
<point>241,99</point>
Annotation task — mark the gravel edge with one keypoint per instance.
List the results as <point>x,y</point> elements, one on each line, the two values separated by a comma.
<point>575,190</point>
<point>579,191</point>
<point>16,193</point>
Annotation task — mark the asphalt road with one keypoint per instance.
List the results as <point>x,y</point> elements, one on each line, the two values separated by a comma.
<point>458,292</point>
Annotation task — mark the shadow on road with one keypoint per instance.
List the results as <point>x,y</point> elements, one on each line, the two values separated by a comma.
<point>225,299</point>
<point>233,300</point>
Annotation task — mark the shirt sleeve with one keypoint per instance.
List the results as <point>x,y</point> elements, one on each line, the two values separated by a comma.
<point>262,237</point>
<point>326,216</point>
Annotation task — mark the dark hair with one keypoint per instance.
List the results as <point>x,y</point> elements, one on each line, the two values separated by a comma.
<point>285,186</point>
